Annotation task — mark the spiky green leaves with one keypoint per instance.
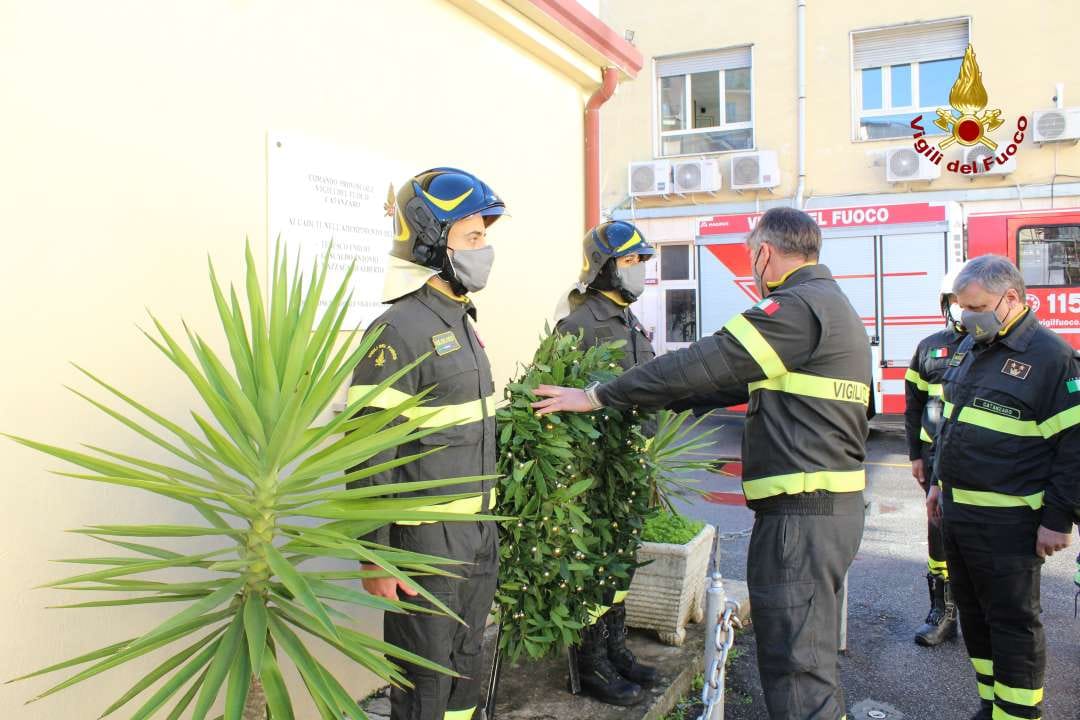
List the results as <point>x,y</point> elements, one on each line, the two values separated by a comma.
<point>266,473</point>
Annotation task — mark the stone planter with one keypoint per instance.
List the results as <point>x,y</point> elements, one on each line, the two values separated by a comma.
<point>670,591</point>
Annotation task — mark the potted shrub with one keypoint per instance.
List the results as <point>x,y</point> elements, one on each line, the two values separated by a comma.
<point>668,589</point>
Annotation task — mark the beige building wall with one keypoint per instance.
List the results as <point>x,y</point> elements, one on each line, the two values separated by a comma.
<point>1023,50</point>
<point>133,146</point>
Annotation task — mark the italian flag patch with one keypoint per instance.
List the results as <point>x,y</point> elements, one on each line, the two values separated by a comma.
<point>942,352</point>
<point>768,306</point>
<point>1073,385</point>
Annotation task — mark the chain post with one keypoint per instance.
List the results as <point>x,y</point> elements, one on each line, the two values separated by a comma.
<point>723,639</point>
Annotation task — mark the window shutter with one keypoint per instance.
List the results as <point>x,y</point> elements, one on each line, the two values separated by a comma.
<point>727,59</point>
<point>903,44</point>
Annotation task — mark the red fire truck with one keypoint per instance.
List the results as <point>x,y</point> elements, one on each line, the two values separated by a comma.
<point>890,260</point>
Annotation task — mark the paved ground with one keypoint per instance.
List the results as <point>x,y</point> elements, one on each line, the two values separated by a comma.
<point>884,670</point>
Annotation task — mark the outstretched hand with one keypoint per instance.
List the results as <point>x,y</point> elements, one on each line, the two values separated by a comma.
<point>561,399</point>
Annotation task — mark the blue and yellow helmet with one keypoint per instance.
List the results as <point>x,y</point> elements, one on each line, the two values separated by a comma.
<point>428,204</point>
<point>612,239</point>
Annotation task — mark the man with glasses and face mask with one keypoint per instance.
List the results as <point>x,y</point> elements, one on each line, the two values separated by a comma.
<point>612,277</point>
<point>1008,463</point>
<point>439,256</point>
<point>802,355</point>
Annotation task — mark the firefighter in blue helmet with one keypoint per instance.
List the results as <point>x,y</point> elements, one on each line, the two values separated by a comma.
<point>612,277</point>
<point>439,257</point>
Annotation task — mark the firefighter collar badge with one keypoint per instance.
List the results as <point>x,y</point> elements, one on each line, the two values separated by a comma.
<point>1072,385</point>
<point>968,122</point>
<point>445,343</point>
<point>958,358</point>
<point>1016,369</point>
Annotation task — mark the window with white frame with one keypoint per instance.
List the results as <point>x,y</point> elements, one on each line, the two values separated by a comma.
<point>904,71</point>
<point>705,102</point>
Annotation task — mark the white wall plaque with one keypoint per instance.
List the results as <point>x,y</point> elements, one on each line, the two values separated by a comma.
<point>318,192</point>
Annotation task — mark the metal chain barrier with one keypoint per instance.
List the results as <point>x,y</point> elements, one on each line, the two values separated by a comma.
<point>712,694</point>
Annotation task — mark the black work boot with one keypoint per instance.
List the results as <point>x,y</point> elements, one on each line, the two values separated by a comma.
<point>940,623</point>
<point>986,711</point>
<point>599,678</point>
<point>620,655</point>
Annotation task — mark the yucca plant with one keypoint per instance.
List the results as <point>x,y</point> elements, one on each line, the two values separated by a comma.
<point>678,447</point>
<point>267,477</point>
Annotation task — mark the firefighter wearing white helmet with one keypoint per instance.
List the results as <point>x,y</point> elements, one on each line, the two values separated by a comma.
<point>922,419</point>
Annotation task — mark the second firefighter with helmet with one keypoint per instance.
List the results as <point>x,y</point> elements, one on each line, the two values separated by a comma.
<point>598,308</point>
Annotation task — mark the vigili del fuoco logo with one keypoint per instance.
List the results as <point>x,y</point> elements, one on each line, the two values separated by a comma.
<point>968,122</point>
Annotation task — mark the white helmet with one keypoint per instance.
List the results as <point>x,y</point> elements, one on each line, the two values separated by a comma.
<point>949,280</point>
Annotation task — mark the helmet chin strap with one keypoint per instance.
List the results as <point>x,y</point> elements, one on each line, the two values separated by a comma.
<point>449,274</point>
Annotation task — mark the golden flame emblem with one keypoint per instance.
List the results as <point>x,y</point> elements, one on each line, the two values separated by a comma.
<point>968,98</point>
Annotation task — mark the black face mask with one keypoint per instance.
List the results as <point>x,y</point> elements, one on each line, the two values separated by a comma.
<point>983,326</point>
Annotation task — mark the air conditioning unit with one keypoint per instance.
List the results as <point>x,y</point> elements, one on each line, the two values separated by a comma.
<point>697,176</point>
<point>903,164</point>
<point>650,178</point>
<point>1056,125</point>
<point>977,154</point>
<point>755,170</point>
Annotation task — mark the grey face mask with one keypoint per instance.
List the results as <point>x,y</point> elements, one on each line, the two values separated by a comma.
<point>632,279</point>
<point>982,326</point>
<point>473,267</point>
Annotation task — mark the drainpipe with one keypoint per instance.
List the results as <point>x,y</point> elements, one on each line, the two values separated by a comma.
<point>800,62</point>
<point>592,146</point>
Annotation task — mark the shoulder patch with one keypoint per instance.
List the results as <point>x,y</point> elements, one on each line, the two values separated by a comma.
<point>445,343</point>
<point>380,353</point>
<point>768,306</point>
<point>941,352</point>
<point>1016,369</point>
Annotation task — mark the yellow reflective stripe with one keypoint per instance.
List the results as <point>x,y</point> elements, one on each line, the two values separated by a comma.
<point>1062,421</point>
<point>596,612</point>
<point>999,423</point>
<point>620,596</point>
<point>795,483</point>
<point>935,390</point>
<point>925,436</point>
<point>993,499</point>
<point>464,506</point>
<point>448,205</point>
<point>983,667</point>
<point>1001,714</point>
<point>634,240</point>
<point>916,379</point>
<point>465,714</point>
<point>759,348</point>
<point>467,412</point>
<point>825,388</point>
<point>1018,696</point>
<point>947,410</point>
<point>986,692</point>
